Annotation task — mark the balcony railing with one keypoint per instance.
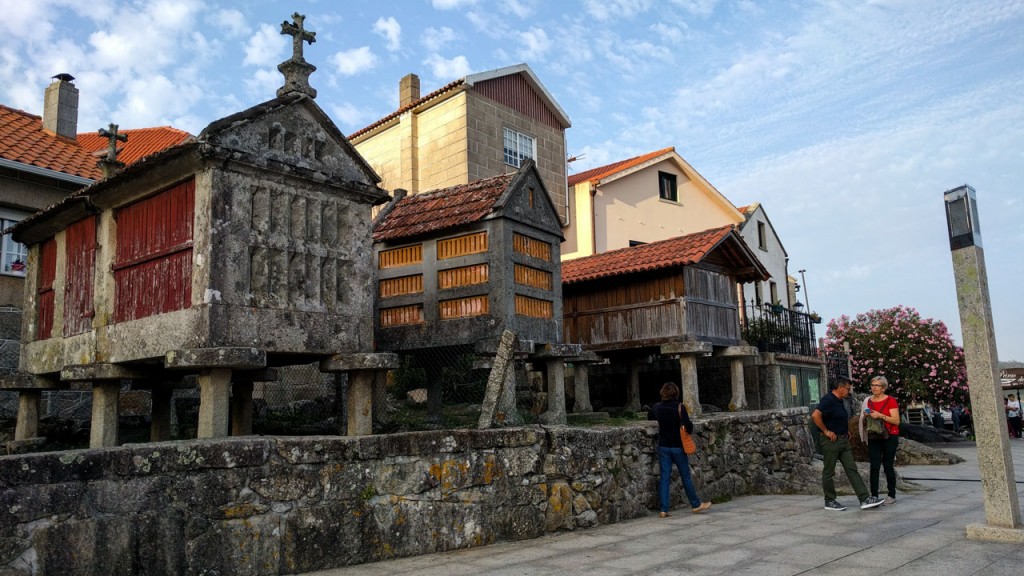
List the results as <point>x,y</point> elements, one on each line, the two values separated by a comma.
<point>774,328</point>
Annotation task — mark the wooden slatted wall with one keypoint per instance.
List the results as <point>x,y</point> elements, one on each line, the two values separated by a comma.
<point>531,247</point>
<point>463,307</point>
<point>527,276</point>
<point>533,307</point>
<point>401,315</point>
<point>44,294</point>
<point>462,245</point>
<point>80,252</point>
<point>153,264</point>
<point>401,285</point>
<point>397,257</point>
<point>463,276</point>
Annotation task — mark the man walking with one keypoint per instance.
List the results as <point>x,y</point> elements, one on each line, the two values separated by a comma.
<point>832,419</point>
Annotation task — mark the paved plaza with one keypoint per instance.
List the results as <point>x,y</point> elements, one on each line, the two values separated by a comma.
<point>922,534</point>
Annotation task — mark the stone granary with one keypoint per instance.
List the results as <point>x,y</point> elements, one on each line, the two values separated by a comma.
<point>460,265</point>
<point>243,250</point>
<point>671,298</point>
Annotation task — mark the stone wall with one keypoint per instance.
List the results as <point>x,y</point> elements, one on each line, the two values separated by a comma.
<point>263,505</point>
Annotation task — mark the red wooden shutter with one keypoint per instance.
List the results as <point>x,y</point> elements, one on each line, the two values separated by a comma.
<point>153,264</point>
<point>80,249</point>
<point>44,298</point>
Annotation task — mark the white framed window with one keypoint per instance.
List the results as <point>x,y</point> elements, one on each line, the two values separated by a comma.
<point>519,147</point>
<point>13,255</point>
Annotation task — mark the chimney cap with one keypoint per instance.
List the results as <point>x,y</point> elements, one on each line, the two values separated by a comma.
<point>64,77</point>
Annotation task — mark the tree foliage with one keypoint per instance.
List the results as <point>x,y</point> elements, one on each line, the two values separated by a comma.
<point>916,355</point>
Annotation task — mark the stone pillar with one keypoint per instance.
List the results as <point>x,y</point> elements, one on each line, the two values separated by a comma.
<point>241,408</point>
<point>27,425</point>
<point>739,392</point>
<point>160,414</point>
<point>689,390</point>
<point>360,402</point>
<point>581,379</point>
<point>105,396</point>
<point>555,373</point>
<point>687,351</point>
<point>214,402</point>
<point>633,387</point>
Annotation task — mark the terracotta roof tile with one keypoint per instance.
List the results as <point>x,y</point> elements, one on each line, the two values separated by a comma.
<point>441,209</point>
<point>141,142</point>
<point>22,139</point>
<point>446,88</point>
<point>607,170</point>
<point>678,251</point>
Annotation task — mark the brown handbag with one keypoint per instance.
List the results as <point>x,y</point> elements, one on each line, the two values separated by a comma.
<point>689,446</point>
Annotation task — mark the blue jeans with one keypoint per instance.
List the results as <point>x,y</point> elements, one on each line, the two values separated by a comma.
<point>666,457</point>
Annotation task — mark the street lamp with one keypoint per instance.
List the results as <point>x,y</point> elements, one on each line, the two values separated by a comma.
<point>803,282</point>
<point>1002,508</point>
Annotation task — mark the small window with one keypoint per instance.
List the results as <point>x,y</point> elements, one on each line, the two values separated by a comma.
<point>774,290</point>
<point>762,236</point>
<point>758,293</point>
<point>636,243</point>
<point>14,256</point>
<point>667,186</point>
<point>519,147</point>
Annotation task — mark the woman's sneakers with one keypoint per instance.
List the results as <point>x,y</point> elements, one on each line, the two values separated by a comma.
<point>663,514</point>
<point>704,506</point>
<point>889,501</point>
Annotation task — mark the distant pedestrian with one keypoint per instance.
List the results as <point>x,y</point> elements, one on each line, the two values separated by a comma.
<point>1013,416</point>
<point>833,420</point>
<point>670,414</point>
<point>882,451</point>
<point>956,411</point>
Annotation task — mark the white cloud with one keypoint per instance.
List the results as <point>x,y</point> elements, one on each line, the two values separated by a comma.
<point>535,44</point>
<point>263,83</point>
<point>389,29</point>
<point>518,8</point>
<point>699,7</point>
<point>230,23</point>
<point>452,4</point>
<point>350,116</point>
<point>447,69</point>
<point>615,9</point>
<point>265,47</point>
<point>352,62</point>
<point>433,39</point>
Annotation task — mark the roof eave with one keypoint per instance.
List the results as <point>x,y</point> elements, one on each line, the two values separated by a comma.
<point>531,78</point>
<point>39,171</point>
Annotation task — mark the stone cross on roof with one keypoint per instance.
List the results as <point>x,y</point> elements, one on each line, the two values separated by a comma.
<point>112,136</point>
<point>109,164</point>
<point>298,33</point>
<point>296,70</point>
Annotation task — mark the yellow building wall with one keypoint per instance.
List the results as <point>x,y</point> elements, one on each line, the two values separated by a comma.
<point>579,233</point>
<point>442,146</point>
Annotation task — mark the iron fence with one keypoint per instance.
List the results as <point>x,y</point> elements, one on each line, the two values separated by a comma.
<point>774,328</point>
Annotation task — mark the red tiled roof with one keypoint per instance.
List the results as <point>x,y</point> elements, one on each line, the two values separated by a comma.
<point>678,251</point>
<point>141,142</point>
<point>600,172</point>
<point>22,139</point>
<point>441,209</point>
<point>446,88</point>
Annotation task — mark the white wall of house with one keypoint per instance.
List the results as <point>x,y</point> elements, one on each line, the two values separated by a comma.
<point>628,208</point>
<point>761,238</point>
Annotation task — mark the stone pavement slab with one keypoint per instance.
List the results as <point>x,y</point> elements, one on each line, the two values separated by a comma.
<point>922,534</point>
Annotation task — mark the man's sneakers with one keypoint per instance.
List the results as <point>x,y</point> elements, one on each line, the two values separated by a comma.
<point>834,505</point>
<point>871,502</point>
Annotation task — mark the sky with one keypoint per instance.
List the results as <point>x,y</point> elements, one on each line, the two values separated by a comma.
<point>846,120</point>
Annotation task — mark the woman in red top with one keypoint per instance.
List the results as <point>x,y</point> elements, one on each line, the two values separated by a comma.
<point>882,453</point>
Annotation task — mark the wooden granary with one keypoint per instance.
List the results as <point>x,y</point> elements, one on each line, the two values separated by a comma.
<point>462,264</point>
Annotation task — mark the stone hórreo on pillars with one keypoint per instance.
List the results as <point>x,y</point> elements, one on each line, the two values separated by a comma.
<point>296,70</point>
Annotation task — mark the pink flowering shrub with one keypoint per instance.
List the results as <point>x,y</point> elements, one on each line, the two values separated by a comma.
<point>917,355</point>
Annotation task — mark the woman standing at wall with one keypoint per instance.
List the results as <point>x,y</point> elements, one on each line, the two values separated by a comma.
<point>670,414</point>
<point>881,450</point>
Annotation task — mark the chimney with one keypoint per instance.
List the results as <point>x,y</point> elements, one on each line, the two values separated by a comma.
<point>60,107</point>
<point>408,90</point>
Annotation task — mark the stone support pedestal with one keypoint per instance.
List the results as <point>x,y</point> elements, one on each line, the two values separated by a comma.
<point>687,352</point>
<point>363,370</point>
<point>633,388</point>
<point>27,425</point>
<point>241,409</point>
<point>105,396</point>
<point>160,414</point>
<point>739,391</point>
<point>555,374</point>
<point>214,402</point>
<point>581,385</point>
